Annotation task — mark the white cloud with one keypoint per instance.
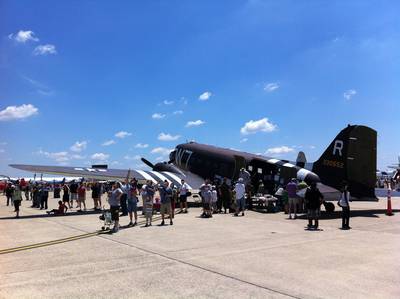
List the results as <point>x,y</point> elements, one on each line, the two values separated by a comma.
<point>157,116</point>
<point>3,143</point>
<point>108,142</point>
<point>166,102</point>
<point>57,156</point>
<point>122,134</point>
<point>60,157</point>
<point>45,50</point>
<point>275,151</point>
<point>195,123</point>
<point>2,150</point>
<point>100,156</point>
<point>205,96</point>
<point>177,112</point>
<point>127,157</point>
<point>77,157</point>
<point>243,140</point>
<point>78,146</point>
<point>269,87</point>
<point>167,137</point>
<point>18,112</point>
<point>261,125</point>
<point>141,145</point>
<point>41,88</point>
<point>115,163</point>
<point>161,151</point>
<point>348,94</point>
<point>23,36</point>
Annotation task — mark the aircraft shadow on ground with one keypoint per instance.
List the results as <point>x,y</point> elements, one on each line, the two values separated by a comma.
<point>68,214</point>
<point>375,213</point>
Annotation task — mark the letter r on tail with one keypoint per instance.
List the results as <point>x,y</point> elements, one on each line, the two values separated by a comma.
<point>338,146</point>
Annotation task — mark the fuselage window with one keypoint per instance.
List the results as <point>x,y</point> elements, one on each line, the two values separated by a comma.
<point>250,168</point>
<point>259,170</point>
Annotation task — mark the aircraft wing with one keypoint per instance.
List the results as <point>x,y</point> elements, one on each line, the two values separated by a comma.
<point>192,180</point>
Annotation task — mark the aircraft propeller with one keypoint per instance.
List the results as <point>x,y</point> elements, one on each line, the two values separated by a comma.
<point>147,162</point>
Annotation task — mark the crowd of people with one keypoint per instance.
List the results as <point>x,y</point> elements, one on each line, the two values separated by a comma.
<point>219,196</point>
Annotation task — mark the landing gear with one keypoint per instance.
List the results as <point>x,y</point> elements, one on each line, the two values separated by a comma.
<point>329,207</point>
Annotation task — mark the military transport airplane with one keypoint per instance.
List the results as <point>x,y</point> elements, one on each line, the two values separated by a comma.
<point>350,157</point>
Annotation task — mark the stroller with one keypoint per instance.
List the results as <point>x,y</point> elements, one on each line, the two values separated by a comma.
<point>106,217</point>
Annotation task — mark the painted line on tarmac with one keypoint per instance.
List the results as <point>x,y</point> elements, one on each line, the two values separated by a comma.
<point>63,240</point>
<point>204,268</point>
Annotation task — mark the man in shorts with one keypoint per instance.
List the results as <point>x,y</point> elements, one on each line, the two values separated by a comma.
<point>291,189</point>
<point>131,194</point>
<point>183,191</point>
<point>313,199</point>
<point>114,201</point>
<point>240,191</point>
<point>82,197</point>
<point>206,197</point>
<point>73,188</point>
<point>166,197</point>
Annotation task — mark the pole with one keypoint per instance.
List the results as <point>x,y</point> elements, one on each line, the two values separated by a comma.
<point>389,211</point>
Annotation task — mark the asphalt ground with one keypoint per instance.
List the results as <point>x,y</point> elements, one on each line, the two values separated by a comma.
<point>255,256</point>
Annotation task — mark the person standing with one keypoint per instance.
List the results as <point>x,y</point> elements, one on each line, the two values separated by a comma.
<point>313,200</point>
<point>175,199</point>
<point>246,176</point>
<point>206,196</point>
<point>226,195</point>
<point>82,197</point>
<point>65,198</point>
<point>291,189</point>
<point>36,196</point>
<point>147,203</point>
<point>9,192</point>
<point>214,199</point>
<point>183,191</point>
<point>240,190</point>
<point>73,189</point>
<point>96,195</point>
<point>131,195</point>
<point>17,198</point>
<point>44,197</point>
<point>166,197</point>
<point>114,201</point>
<point>344,203</point>
<point>27,190</point>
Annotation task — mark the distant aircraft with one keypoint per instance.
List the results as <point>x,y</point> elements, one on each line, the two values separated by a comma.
<point>396,166</point>
<point>350,157</point>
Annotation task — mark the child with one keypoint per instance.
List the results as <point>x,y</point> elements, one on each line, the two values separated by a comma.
<point>148,208</point>
<point>214,199</point>
<point>62,209</point>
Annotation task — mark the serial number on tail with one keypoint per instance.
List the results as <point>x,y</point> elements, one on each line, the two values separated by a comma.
<point>331,163</point>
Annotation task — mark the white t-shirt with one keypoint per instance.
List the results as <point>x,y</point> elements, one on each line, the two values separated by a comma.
<point>184,189</point>
<point>214,196</point>
<point>240,190</point>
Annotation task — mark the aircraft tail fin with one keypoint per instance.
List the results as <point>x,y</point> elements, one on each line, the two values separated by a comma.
<point>301,159</point>
<point>351,157</point>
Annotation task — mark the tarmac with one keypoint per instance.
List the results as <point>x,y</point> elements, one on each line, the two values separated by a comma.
<point>260,255</point>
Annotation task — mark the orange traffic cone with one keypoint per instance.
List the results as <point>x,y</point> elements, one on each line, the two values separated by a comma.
<point>389,203</point>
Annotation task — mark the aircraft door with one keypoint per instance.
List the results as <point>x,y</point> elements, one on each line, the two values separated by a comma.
<point>261,170</point>
<point>240,162</point>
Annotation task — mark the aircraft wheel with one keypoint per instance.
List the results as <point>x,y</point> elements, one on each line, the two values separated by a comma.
<point>329,207</point>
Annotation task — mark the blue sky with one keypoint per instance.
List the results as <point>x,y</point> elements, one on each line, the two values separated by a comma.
<point>75,73</point>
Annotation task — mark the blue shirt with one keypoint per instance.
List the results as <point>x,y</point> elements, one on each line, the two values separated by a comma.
<point>165,194</point>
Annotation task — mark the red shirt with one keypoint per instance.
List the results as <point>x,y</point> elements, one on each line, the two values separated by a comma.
<point>81,191</point>
<point>61,209</point>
